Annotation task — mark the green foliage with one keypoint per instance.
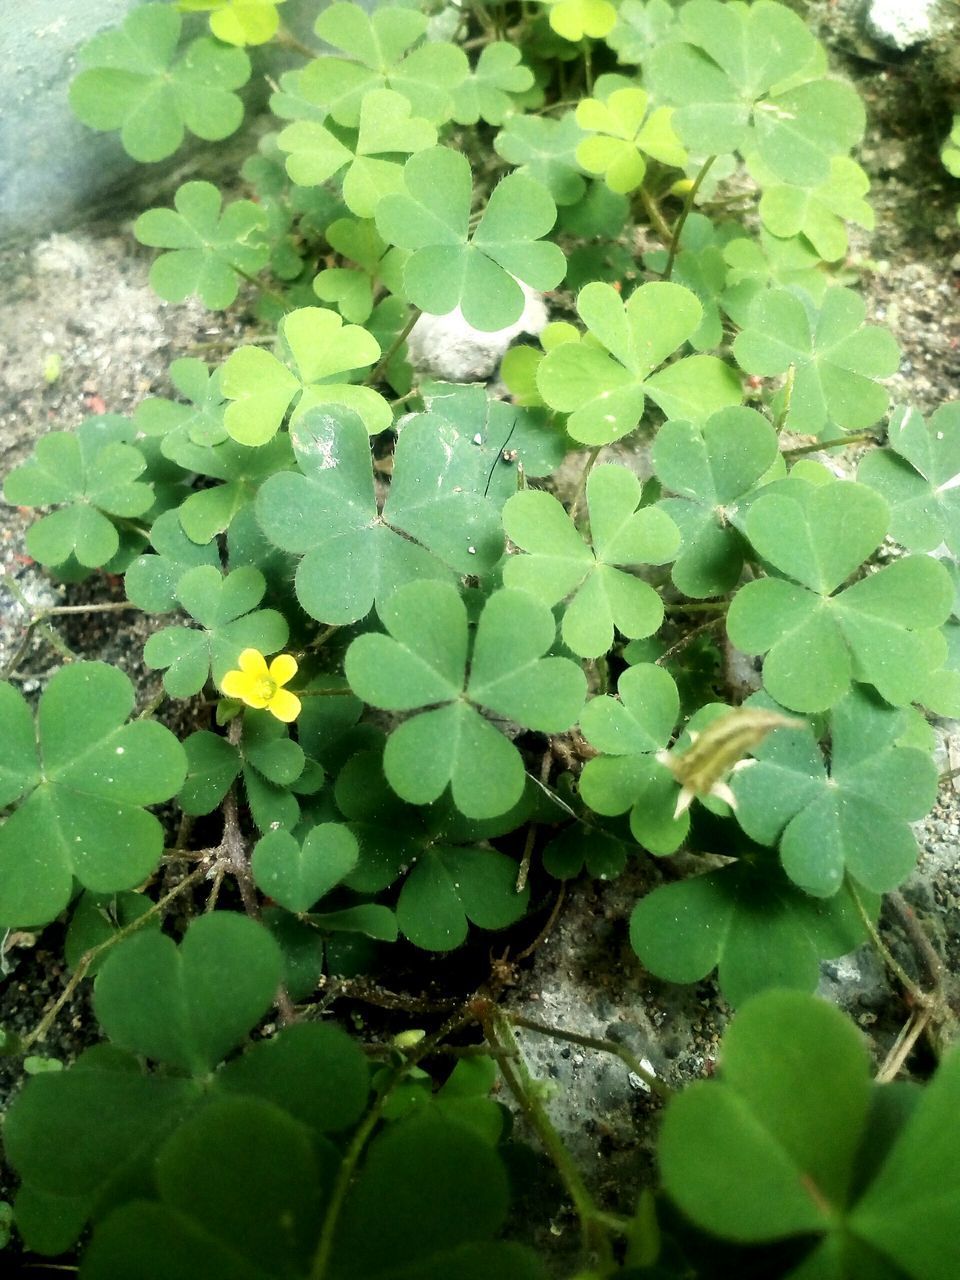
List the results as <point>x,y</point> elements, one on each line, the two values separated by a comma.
<point>132,79</point>
<point>210,251</point>
<point>79,780</point>
<point>449,580</point>
<point>478,272</point>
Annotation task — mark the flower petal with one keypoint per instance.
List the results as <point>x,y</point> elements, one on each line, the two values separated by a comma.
<point>285,705</point>
<point>283,668</point>
<point>236,684</point>
<point>252,662</point>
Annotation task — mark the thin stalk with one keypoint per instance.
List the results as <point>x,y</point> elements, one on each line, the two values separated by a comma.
<point>657,220</point>
<point>266,289</point>
<point>630,1061</point>
<point>86,960</point>
<point>358,1143</point>
<point>375,374</point>
<point>902,1047</point>
<point>588,67</point>
<point>860,437</point>
<point>912,988</point>
<point>112,606</point>
<point>287,40</point>
<point>684,214</point>
<point>698,606</point>
<point>781,421</point>
<point>584,477</point>
<point>686,640</point>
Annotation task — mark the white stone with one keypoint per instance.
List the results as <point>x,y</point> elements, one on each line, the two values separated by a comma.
<point>448,348</point>
<point>900,24</point>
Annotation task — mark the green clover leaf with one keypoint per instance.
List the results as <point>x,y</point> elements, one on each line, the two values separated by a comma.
<point>748,921</point>
<point>386,129</point>
<point>559,564</point>
<point>712,467</point>
<point>239,22</point>
<point>298,875</point>
<point>241,469</point>
<point>434,521</point>
<point>486,92</point>
<point>192,1020</point>
<point>574,19</point>
<point>132,80</point>
<point>379,57</point>
<point>628,776</point>
<point>770,1148</point>
<point>210,250</point>
<point>853,817</point>
<point>81,778</point>
<point>836,357</point>
<point>699,266</point>
<point>918,474</point>
<point>200,422</point>
<point>352,288</point>
<point>151,581</point>
<point>755,265</point>
<point>746,79</point>
<point>223,607</point>
<point>819,212</point>
<point>317,349</point>
<point>603,382</point>
<point>452,886</point>
<point>544,150</point>
<point>640,28</point>
<point>91,474</point>
<point>423,661</point>
<point>819,638</point>
<point>449,267</point>
<point>621,133</point>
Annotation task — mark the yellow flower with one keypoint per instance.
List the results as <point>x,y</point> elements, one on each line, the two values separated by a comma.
<point>261,686</point>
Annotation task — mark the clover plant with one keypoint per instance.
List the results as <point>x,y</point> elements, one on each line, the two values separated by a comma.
<point>426,655</point>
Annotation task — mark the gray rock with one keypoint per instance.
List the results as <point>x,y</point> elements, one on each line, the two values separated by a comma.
<point>900,24</point>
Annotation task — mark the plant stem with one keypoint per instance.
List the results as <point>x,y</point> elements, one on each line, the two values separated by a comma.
<point>374,376</point>
<point>632,1063</point>
<point>111,606</point>
<point>860,437</point>
<point>595,1226</point>
<point>86,960</point>
<point>686,640</point>
<point>657,220</point>
<point>698,606</point>
<point>584,477</point>
<point>684,214</point>
<point>912,988</point>
<point>266,289</point>
<point>287,40</point>
<point>362,1135</point>
<point>781,420</point>
<point>587,67</point>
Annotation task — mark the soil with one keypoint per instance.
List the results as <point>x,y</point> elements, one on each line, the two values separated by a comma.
<point>84,298</point>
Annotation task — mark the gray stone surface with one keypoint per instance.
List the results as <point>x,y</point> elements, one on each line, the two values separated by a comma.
<point>53,169</point>
<point>900,24</point>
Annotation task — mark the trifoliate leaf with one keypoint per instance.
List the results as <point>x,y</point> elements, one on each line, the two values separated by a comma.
<point>603,383</point>
<point>210,250</point>
<point>853,817</point>
<point>151,581</point>
<point>627,776</point>
<point>747,919</point>
<point>316,349</point>
<point>80,812</point>
<point>423,661</point>
<point>201,421</point>
<point>377,48</point>
<point>131,79</point>
<point>449,887</point>
<point>640,28</point>
<point>387,131</point>
<point>354,556</point>
<point>755,265</point>
<point>449,267</point>
<point>352,288</point>
<point>819,212</point>
<point>736,78</point>
<point>205,995</point>
<point>712,467</point>
<point>544,150</point>
<point>768,1149</point>
<point>918,474</point>
<point>819,637</point>
<point>225,608</point>
<point>486,92</point>
<point>242,469</point>
<point>621,133</point>
<point>91,474</point>
<point>836,357</point>
<point>699,266</point>
<point>559,565</point>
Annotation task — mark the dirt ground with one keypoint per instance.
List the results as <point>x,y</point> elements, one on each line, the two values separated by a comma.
<point>83,298</point>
